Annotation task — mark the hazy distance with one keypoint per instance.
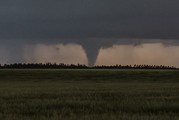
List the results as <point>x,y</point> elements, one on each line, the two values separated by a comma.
<point>124,54</point>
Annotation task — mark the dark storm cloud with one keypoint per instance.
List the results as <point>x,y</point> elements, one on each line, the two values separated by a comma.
<point>79,21</point>
<point>42,19</point>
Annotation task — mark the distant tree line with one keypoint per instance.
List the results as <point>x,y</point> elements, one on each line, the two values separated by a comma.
<point>135,67</point>
<point>80,66</point>
<point>41,65</point>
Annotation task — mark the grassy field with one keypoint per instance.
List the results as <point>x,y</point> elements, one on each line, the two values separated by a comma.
<point>89,94</point>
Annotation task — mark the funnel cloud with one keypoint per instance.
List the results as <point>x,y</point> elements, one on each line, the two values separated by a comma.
<point>92,24</point>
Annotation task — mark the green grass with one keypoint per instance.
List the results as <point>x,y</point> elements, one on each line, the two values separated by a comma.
<point>89,94</point>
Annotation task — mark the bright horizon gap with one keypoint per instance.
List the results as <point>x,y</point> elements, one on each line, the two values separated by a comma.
<point>146,53</point>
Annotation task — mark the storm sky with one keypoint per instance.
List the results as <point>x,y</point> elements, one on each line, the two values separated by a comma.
<point>92,24</point>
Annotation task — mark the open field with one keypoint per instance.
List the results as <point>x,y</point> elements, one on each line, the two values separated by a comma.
<point>89,94</point>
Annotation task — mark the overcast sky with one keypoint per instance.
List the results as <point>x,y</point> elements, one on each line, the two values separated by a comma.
<point>91,23</point>
<point>44,19</point>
